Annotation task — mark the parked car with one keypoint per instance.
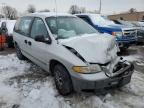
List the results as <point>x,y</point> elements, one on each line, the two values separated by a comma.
<point>125,23</point>
<point>7,27</point>
<point>136,26</point>
<point>125,36</point>
<point>141,23</point>
<point>80,58</point>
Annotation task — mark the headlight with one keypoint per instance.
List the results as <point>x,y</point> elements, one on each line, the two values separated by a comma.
<point>117,33</point>
<point>87,69</point>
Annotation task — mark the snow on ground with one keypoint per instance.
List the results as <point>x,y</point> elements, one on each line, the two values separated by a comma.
<point>133,54</point>
<point>25,85</point>
<point>132,58</point>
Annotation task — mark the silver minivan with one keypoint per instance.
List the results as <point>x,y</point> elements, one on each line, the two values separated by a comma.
<point>79,58</point>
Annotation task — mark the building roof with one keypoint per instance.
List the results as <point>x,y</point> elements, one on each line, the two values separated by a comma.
<point>126,13</point>
<point>89,14</point>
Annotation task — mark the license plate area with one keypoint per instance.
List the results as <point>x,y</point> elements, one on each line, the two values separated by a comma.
<point>113,83</point>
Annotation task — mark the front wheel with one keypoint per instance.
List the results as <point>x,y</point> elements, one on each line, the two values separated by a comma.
<point>62,80</point>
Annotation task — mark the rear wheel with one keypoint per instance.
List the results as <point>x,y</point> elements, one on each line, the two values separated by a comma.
<point>19,53</point>
<point>62,80</point>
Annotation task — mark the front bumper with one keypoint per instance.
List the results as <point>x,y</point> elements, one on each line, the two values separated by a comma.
<point>140,38</point>
<point>126,41</point>
<point>103,84</point>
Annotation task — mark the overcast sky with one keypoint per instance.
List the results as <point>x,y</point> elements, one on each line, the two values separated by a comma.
<point>108,6</point>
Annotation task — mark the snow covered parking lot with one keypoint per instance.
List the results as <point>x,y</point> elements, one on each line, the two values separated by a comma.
<point>25,85</point>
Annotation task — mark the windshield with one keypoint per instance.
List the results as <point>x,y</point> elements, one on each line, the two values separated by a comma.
<point>100,20</point>
<point>66,27</point>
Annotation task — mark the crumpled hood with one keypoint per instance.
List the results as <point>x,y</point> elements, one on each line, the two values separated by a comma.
<point>118,27</point>
<point>122,27</point>
<point>94,48</point>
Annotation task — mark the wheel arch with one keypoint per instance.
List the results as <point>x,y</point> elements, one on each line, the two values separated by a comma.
<point>15,43</point>
<point>54,62</point>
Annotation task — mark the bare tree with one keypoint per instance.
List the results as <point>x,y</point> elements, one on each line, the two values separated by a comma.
<point>45,10</point>
<point>31,9</point>
<point>9,12</point>
<point>74,9</point>
<point>132,10</point>
<point>82,10</point>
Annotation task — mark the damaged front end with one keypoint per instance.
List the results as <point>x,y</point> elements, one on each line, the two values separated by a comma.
<point>117,67</point>
<point>120,68</point>
<point>118,77</point>
<point>103,69</point>
<point>105,80</point>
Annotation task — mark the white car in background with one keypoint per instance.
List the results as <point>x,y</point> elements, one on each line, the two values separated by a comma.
<point>7,27</point>
<point>142,23</point>
<point>138,24</point>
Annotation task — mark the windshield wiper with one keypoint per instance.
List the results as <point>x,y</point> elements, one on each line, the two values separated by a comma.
<point>60,37</point>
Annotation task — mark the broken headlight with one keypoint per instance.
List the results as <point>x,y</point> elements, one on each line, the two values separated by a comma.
<point>87,69</point>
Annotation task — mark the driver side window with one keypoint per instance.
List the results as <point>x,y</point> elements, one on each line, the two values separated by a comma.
<point>38,28</point>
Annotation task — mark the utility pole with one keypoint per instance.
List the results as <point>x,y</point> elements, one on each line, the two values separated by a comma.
<point>100,7</point>
<point>3,6</point>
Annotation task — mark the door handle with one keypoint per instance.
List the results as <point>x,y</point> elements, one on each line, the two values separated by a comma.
<point>29,43</point>
<point>25,41</point>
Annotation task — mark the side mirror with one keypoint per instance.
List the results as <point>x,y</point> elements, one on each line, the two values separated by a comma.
<point>41,38</point>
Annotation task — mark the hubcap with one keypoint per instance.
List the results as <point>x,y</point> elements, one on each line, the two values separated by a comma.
<point>59,79</point>
<point>18,51</point>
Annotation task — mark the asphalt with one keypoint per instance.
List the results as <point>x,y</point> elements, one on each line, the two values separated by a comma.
<point>7,51</point>
<point>136,51</point>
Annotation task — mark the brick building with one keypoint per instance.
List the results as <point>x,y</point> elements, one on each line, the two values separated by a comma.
<point>135,16</point>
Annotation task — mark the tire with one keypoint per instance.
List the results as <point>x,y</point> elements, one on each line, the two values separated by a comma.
<point>19,53</point>
<point>62,80</point>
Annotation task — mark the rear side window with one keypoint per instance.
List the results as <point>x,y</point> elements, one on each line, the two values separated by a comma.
<point>23,25</point>
<point>85,18</point>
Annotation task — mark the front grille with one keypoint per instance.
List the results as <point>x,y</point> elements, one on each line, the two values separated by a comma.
<point>140,33</point>
<point>119,66</point>
<point>130,32</point>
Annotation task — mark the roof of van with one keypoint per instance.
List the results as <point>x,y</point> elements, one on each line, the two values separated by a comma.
<point>89,14</point>
<point>49,14</point>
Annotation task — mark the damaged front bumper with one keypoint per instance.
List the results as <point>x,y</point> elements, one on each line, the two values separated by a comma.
<point>106,83</point>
